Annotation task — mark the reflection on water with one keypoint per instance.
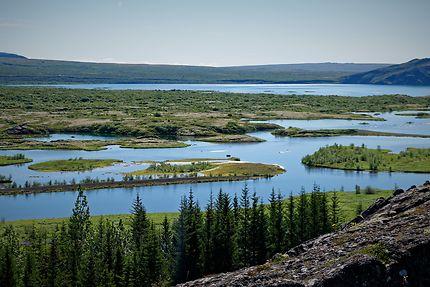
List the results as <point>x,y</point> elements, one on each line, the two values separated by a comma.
<point>286,152</point>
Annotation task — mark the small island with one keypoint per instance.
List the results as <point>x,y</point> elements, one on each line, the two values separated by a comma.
<point>362,158</point>
<point>73,164</point>
<point>14,159</point>
<point>232,139</point>
<point>419,115</point>
<point>298,132</point>
<point>210,168</point>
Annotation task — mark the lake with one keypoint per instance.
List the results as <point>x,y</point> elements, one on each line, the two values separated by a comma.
<point>284,151</point>
<point>281,89</point>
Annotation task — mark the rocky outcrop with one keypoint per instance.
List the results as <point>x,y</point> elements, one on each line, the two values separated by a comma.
<point>387,245</point>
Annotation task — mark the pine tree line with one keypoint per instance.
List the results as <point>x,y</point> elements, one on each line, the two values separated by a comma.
<point>231,233</point>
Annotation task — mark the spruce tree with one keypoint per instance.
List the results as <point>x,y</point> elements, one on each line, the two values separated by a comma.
<point>334,210</point>
<point>179,242</point>
<point>276,233</point>
<point>302,217</point>
<point>325,222</point>
<point>79,224</point>
<point>244,228</point>
<point>209,237</point>
<point>167,251</point>
<point>194,240</point>
<point>261,254</point>
<point>224,234</point>
<point>315,216</point>
<point>291,222</point>
<point>53,265</point>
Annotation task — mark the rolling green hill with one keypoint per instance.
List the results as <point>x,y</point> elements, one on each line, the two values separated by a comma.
<point>20,70</point>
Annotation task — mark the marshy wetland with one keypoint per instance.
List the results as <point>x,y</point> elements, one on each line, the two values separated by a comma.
<point>139,128</point>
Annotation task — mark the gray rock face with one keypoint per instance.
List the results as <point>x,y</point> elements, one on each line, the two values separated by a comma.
<point>388,245</point>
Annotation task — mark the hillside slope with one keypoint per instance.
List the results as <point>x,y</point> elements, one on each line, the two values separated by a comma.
<point>415,72</point>
<point>14,70</point>
<point>10,56</point>
<point>388,245</point>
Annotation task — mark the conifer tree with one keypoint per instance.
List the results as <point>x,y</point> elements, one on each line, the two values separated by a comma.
<point>79,224</point>
<point>179,242</point>
<point>325,222</point>
<point>224,244</point>
<point>209,237</point>
<point>315,216</point>
<point>302,216</point>
<point>261,254</point>
<point>53,265</point>
<point>334,210</point>
<point>276,235</point>
<point>167,250</point>
<point>291,222</point>
<point>194,240</point>
<point>244,228</point>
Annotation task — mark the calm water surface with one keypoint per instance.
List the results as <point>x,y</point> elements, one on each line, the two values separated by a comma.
<point>281,89</point>
<point>284,151</point>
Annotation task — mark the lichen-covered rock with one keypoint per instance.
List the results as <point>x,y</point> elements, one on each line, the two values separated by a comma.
<point>387,245</point>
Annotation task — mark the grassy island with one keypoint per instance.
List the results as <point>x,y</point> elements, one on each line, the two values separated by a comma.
<point>232,139</point>
<point>362,158</point>
<point>167,168</point>
<point>77,164</point>
<point>13,159</point>
<point>298,132</point>
<point>211,168</point>
<point>245,169</point>
<point>419,115</point>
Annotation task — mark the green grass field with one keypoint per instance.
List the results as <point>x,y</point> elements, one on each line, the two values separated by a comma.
<point>72,164</point>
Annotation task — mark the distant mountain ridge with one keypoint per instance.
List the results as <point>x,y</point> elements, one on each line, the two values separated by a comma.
<point>415,72</point>
<point>9,55</point>
<point>20,70</point>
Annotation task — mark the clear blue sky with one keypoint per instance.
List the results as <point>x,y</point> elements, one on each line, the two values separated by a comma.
<point>217,32</point>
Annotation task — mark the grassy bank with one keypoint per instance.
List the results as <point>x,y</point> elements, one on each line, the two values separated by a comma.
<point>77,164</point>
<point>14,159</point>
<point>348,205</point>
<point>298,132</point>
<point>362,158</point>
